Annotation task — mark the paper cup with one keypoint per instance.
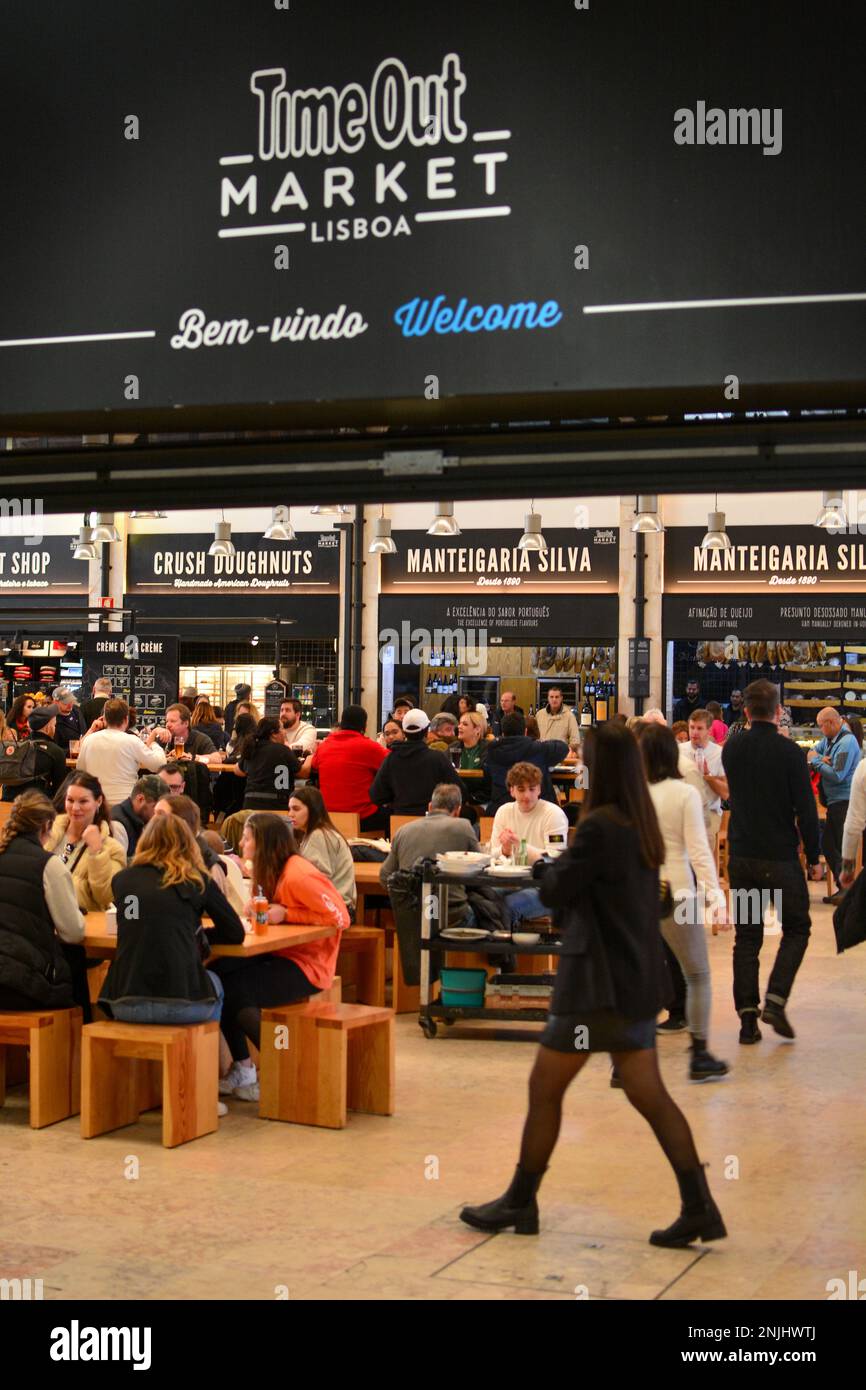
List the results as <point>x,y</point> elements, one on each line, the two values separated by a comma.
<point>111,921</point>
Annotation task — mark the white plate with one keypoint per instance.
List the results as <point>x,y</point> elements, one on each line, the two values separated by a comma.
<point>511,870</point>
<point>465,934</point>
<point>463,856</point>
<point>453,870</point>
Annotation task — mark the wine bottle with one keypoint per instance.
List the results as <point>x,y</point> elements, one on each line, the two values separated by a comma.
<point>601,702</point>
<point>585,713</point>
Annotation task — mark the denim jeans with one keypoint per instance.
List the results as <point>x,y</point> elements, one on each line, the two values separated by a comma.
<point>525,904</point>
<point>163,1011</point>
<point>771,875</point>
<point>687,942</point>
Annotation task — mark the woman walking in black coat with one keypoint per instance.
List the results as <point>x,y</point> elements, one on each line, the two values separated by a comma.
<point>609,987</point>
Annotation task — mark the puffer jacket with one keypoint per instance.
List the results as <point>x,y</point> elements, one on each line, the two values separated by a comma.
<point>31,959</point>
<point>91,873</point>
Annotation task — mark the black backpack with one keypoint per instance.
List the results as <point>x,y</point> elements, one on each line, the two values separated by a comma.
<point>17,761</point>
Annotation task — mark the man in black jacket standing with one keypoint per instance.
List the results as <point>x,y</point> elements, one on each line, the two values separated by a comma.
<point>50,759</point>
<point>242,692</point>
<point>406,780</point>
<point>771,796</point>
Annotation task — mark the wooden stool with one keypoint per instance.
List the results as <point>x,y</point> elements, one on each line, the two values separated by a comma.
<point>332,1058</point>
<point>120,1079</point>
<point>368,944</point>
<point>54,1039</point>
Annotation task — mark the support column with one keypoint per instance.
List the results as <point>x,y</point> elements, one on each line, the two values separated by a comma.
<point>652,567</point>
<point>370,629</point>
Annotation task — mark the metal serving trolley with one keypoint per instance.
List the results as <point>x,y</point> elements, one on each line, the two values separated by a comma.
<point>434,909</point>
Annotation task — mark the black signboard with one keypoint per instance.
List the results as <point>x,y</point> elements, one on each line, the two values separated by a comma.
<point>638,667</point>
<point>509,619</point>
<point>166,564</point>
<point>576,561</point>
<point>146,667</point>
<point>275,694</point>
<point>35,568</point>
<point>836,617</point>
<point>353,205</point>
<point>761,559</point>
<point>775,581</point>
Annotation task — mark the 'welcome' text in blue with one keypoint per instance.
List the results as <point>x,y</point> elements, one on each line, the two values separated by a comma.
<point>422,316</point>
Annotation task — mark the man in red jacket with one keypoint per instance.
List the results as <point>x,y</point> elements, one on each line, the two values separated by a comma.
<point>346,763</point>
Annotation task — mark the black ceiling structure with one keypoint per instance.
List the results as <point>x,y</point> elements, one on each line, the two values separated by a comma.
<point>555,459</point>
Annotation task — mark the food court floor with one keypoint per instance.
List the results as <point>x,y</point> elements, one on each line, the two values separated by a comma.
<point>263,1210</point>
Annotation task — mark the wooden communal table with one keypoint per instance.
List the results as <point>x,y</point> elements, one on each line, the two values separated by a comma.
<point>98,943</point>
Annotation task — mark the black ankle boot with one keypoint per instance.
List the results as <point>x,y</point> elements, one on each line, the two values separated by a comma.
<point>517,1207</point>
<point>703,1066</point>
<point>775,1015</point>
<point>699,1218</point>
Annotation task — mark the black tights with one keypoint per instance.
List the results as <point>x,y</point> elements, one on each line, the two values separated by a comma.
<point>643,1085</point>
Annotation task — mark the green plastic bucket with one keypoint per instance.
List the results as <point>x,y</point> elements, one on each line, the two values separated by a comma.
<point>463,989</point>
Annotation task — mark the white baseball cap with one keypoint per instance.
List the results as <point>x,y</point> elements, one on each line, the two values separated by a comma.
<point>415,721</point>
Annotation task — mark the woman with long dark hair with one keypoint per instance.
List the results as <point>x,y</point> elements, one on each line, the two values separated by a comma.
<point>319,840</point>
<point>609,987</point>
<point>269,767</point>
<point>296,892</point>
<point>41,927</point>
<point>204,719</point>
<point>17,726</point>
<point>82,837</point>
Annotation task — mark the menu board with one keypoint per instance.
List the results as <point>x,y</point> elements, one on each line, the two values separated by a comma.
<point>145,668</point>
<point>275,694</point>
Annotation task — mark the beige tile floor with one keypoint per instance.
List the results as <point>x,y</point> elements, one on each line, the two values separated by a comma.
<point>263,1210</point>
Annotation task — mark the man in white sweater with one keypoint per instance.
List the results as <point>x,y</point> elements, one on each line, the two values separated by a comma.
<point>115,756</point>
<point>527,817</point>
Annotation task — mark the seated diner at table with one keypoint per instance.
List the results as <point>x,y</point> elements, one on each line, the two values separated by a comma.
<point>157,975</point>
<point>296,891</point>
<point>40,921</point>
<point>82,838</point>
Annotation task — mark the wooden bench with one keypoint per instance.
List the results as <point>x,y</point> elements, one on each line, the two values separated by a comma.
<point>320,1060</point>
<point>54,1039</point>
<point>368,945</point>
<point>119,1078</point>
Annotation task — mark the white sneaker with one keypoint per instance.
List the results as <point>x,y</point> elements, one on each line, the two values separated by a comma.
<point>250,1092</point>
<point>222,1109</point>
<point>239,1074</point>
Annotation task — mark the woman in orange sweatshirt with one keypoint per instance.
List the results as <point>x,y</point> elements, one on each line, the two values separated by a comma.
<point>296,892</point>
